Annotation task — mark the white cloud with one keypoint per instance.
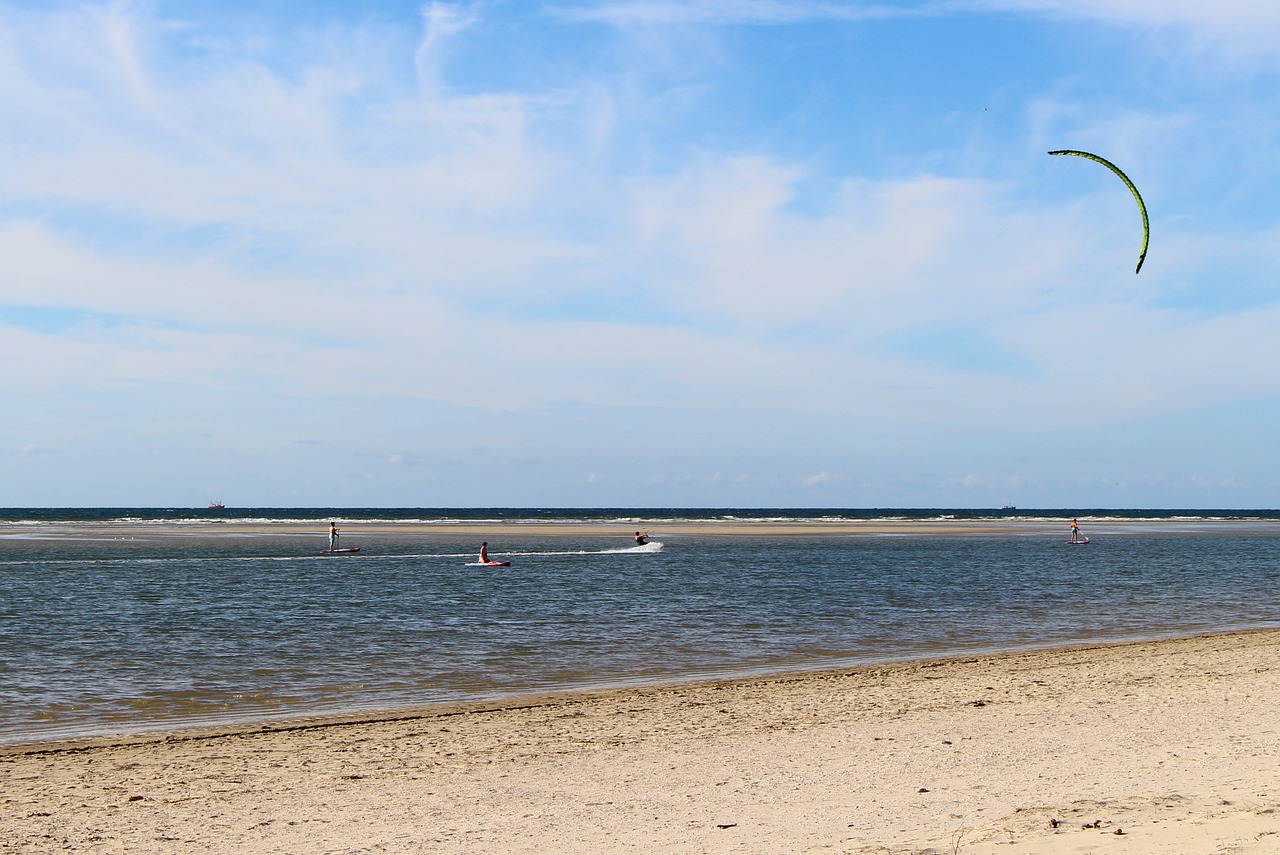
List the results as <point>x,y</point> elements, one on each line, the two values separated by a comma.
<point>215,225</point>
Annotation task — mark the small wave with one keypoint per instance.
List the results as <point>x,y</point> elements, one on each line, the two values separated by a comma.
<point>651,546</point>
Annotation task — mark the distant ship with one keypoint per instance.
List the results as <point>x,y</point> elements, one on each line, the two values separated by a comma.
<point>216,506</point>
<point>1008,507</point>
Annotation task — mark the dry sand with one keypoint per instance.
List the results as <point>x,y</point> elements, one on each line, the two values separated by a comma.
<point>1161,747</point>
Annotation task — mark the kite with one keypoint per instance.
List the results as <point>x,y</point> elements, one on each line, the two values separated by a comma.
<point>1146,228</point>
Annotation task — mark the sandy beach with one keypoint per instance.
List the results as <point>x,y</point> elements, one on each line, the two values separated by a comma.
<point>1167,746</point>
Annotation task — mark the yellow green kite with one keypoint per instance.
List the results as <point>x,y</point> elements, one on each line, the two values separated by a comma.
<point>1146,228</point>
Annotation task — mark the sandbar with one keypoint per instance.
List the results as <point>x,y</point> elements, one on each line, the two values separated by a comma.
<point>509,529</point>
<point>1155,746</point>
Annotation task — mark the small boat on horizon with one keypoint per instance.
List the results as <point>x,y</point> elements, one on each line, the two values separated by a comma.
<point>217,506</point>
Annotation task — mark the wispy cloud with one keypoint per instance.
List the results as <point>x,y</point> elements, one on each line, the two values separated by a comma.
<point>666,12</point>
<point>442,22</point>
<point>1228,14</point>
<point>1243,29</point>
<point>1238,28</point>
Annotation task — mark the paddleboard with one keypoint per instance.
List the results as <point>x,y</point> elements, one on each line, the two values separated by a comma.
<point>336,551</point>
<point>488,564</point>
<point>1081,542</point>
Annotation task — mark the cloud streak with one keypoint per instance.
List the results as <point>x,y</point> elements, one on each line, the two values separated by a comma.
<point>735,12</point>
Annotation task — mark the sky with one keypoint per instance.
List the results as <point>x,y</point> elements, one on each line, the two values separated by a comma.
<point>639,253</point>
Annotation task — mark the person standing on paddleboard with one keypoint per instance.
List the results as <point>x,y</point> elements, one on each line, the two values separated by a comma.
<point>333,536</point>
<point>1075,531</point>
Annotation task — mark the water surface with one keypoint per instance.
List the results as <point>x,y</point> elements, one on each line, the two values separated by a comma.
<point>102,634</point>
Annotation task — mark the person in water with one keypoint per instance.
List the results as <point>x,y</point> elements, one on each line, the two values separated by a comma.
<point>333,536</point>
<point>1075,531</point>
<point>642,539</point>
<point>484,552</point>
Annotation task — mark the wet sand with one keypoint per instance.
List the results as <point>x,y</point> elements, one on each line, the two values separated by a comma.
<point>1168,746</point>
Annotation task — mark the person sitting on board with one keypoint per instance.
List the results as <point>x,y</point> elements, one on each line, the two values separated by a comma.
<point>642,539</point>
<point>484,552</point>
<point>1075,531</point>
<point>333,536</point>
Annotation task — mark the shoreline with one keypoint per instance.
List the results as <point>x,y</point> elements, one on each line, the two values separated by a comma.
<point>1154,744</point>
<point>179,732</point>
<point>526,700</point>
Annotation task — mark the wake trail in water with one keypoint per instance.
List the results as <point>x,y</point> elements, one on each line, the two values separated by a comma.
<point>649,548</point>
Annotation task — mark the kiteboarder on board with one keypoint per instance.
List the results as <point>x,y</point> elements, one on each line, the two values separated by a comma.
<point>642,539</point>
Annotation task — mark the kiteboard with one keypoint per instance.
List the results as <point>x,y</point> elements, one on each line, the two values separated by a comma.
<point>1081,542</point>
<point>337,551</point>
<point>488,564</point>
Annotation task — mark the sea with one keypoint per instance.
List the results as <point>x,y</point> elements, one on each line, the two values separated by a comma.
<point>116,622</point>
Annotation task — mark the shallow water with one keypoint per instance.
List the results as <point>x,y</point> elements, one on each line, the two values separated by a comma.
<point>102,635</point>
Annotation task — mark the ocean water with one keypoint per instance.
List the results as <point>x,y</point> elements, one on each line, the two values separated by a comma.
<point>107,628</point>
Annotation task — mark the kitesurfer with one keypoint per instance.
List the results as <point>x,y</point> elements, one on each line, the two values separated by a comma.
<point>642,539</point>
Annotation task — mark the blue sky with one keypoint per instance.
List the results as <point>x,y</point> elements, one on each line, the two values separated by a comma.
<point>733,253</point>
